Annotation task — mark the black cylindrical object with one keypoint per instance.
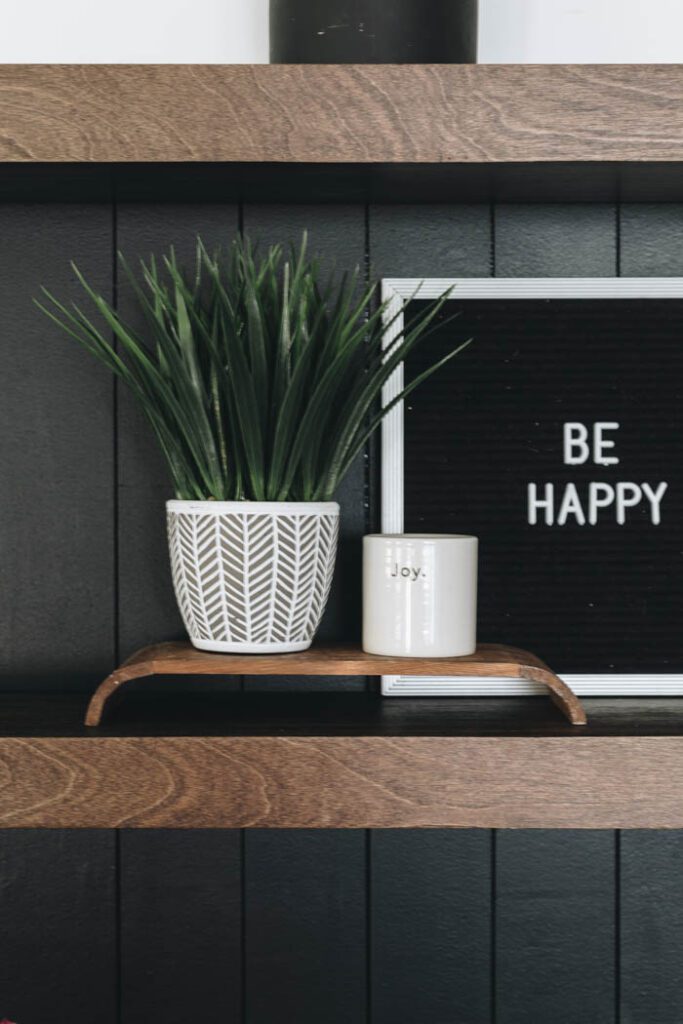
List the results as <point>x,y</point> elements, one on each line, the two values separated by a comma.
<point>373,31</point>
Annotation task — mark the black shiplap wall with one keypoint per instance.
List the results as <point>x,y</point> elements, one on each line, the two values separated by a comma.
<point>57,597</point>
<point>554,896</point>
<point>392,927</point>
<point>650,885</point>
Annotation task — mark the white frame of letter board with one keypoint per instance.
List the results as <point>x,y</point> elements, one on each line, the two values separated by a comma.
<point>395,291</point>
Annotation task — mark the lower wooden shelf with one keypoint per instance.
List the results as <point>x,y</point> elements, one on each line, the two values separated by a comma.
<point>339,761</point>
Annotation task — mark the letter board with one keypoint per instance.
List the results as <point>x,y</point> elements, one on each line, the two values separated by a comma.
<point>557,439</point>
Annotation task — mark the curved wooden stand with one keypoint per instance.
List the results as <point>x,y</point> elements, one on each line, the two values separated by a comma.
<point>332,660</point>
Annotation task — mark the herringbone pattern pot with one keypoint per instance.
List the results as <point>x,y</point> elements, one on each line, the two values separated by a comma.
<point>252,577</point>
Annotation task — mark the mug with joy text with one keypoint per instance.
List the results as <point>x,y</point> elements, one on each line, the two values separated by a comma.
<point>420,595</point>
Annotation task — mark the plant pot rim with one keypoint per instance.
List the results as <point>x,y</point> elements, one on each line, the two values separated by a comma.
<point>319,508</point>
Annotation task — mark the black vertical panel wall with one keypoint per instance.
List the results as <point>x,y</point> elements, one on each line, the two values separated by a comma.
<point>430,927</point>
<point>434,240</point>
<point>651,920</point>
<point>555,240</point>
<point>56,456</point>
<point>58,956</point>
<point>305,926</point>
<point>554,896</point>
<point>180,926</point>
<point>651,863</point>
<point>555,924</point>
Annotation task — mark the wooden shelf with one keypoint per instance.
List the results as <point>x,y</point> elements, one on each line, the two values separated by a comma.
<point>332,659</point>
<point>339,761</point>
<point>386,114</point>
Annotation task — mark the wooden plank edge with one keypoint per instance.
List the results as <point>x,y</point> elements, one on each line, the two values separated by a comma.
<point>342,782</point>
<point>365,114</point>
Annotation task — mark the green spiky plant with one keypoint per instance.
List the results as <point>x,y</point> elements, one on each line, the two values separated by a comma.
<point>260,384</point>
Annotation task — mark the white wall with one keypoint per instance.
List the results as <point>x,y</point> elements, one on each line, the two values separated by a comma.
<point>236,31</point>
<point>134,31</point>
<point>581,31</point>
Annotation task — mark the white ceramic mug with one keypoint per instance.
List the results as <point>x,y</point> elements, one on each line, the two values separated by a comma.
<point>420,595</point>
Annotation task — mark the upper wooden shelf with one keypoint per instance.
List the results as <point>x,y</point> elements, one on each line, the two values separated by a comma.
<point>351,114</point>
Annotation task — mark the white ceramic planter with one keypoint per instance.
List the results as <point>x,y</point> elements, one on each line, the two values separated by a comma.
<point>252,577</point>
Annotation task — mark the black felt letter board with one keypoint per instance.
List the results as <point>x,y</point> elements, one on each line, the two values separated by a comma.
<point>588,573</point>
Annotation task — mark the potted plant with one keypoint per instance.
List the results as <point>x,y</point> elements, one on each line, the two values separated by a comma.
<point>261,386</point>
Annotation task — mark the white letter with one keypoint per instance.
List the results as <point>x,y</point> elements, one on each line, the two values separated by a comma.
<point>655,499</point>
<point>535,503</point>
<point>599,444</point>
<point>595,501</point>
<point>623,502</point>
<point>575,435</point>
<point>571,505</point>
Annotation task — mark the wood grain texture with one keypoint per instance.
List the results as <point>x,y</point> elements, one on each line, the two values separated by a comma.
<point>343,113</point>
<point>555,927</point>
<point>181,658</point>
<point>431,927</point>
<point>58,914</point>
<point>331,658</point>
<point>305,927</point>
<point>341,782</point>
<point>181,926</point>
